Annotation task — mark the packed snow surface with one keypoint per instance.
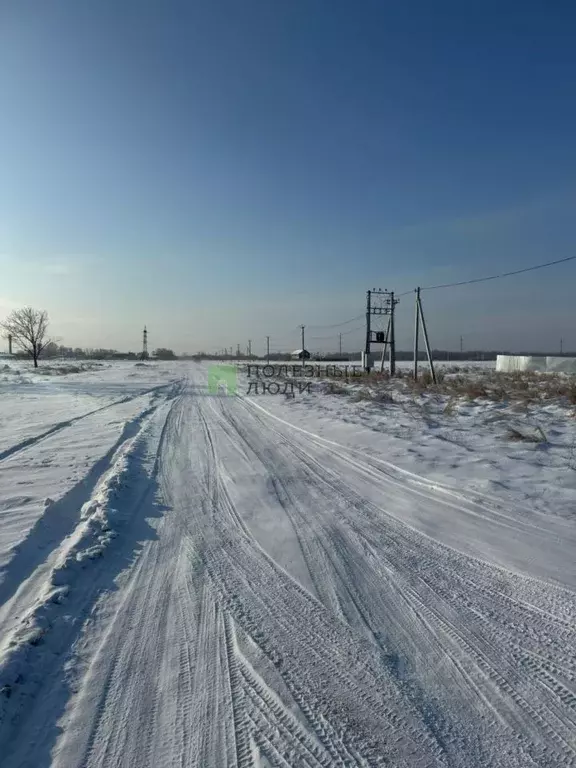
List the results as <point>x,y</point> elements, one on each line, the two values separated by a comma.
<point>196,579</point>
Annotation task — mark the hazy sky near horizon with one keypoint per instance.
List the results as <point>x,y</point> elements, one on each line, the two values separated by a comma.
<point>223,170</point>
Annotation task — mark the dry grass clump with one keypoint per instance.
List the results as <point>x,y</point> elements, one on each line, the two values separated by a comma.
<point>424,382</point>
<point>473,390</point>
<point>375,396</point>
<point>333,388</point>
<point>382,397</point>
<point>362,394</point>
<point>567,389</point>
<point>520,387</point>
<point>360,377</point>
<point>537,436</point>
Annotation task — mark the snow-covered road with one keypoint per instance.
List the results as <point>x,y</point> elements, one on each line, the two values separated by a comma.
<point>227,589</point>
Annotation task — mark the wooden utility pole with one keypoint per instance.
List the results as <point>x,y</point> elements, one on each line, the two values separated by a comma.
<point>425,334</point>
<point>384,347</point>
<point>416,332</point>
<point>249,347</point>
<point>303,347</point>
<point>340,344</point>
<point>367,346</point>
<point>419,318</point>
<point>392,336</point>
<point>268,349</point>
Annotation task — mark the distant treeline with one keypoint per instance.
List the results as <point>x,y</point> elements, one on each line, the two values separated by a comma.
<point>438,354</point>
<point>54,350</point>
<point>77,353</point>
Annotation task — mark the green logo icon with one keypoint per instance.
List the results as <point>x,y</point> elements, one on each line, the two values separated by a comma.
<point>222,380</point>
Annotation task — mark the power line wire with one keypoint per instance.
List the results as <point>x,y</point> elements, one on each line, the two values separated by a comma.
<point>335,336</point>
<point>353,330</point>
<point>432,288</point>
<point>494,277</point>
<point>336,325</point>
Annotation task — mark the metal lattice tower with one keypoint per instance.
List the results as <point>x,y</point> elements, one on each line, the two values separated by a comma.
<point>144,355</point>
<point>381,304</point>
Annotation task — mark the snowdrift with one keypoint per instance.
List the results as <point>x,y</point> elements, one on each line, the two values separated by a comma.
<point>511,363</point>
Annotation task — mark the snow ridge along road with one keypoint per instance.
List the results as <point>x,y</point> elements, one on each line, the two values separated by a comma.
<point>237,592</point>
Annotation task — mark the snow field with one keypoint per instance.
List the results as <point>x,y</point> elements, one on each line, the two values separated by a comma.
<point>196,580</point>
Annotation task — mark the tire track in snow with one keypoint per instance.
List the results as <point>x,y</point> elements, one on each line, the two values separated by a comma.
<point>55,428</point>
<point>40,692</point>
<point>249,581</point>
<point>60,518</point>
<point>220,504</point>
<point>211,654</point>
<point>348,587</point>
<point>315,554</point>
<point>324,668</point>
<point>389,476</point>
<point>281,728</point>
<point>241,734</point>
<point>550,720</point>
<point>218,497</point>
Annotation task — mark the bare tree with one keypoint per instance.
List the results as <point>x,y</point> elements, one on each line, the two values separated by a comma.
<point>28,328</point>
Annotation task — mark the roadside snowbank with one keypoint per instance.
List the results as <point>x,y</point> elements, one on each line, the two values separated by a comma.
<point>57,609</point>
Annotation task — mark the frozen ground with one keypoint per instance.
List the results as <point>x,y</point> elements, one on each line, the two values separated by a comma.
<point>198,580</point>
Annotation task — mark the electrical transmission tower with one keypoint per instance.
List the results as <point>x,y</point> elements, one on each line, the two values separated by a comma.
<point>380,304</point>
<point>144,355</point>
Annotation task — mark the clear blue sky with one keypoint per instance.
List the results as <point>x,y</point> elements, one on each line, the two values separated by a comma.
<point>226,169</point>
